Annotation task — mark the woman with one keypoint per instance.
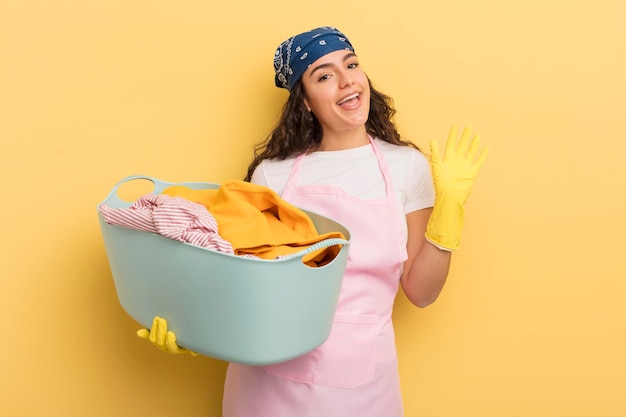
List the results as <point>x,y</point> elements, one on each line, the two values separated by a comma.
<point>337,152</point>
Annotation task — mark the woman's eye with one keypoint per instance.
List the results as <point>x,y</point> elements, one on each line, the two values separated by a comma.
<point>324,77</point>
<point>353,65</point>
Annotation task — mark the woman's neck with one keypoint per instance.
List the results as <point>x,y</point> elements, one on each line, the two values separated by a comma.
<point>338,141</point>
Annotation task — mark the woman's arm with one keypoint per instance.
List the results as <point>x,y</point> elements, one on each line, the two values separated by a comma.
<point>426,268</point>
<point>435,233</point>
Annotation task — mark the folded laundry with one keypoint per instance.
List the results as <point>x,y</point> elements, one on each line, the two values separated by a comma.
<point>173,217</point>
<point>257,221</point>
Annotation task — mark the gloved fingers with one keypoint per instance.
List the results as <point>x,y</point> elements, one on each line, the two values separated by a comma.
<point>451,143</point>
<point>160,332</point>
<point>435,157</point>
<point>464,142</point>
<point>473,147</point>
<point>162,338</point>
<point>143,333</point>
<point>153,330</point>
<point>481,158</point>
<point>170,343</point>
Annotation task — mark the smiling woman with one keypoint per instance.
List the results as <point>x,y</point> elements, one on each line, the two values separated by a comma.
<point>336,152</point>
<point>337,94</point>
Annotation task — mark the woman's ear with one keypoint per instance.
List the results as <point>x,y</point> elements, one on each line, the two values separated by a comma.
<point>306,103</point>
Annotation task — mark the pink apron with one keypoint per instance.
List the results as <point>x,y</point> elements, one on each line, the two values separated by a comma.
<point>355,372</point>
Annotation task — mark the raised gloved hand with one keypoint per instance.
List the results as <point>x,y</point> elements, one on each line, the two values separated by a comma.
<point>163,339</point>
<point>453,177</point>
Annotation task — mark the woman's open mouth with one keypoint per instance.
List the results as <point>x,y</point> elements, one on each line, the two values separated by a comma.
<point>350,101</point>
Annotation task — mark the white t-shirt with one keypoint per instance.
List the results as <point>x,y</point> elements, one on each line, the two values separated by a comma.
<point>356,171</point>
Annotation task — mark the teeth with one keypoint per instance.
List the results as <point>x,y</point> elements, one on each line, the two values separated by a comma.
<point>349,98</point>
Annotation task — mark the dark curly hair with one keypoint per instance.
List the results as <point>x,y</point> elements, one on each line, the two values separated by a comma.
<point>298,130</point>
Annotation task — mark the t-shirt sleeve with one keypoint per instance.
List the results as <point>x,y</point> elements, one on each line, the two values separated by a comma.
<point>258,176</point>
<point>272,173</point>
<point>420,191</point>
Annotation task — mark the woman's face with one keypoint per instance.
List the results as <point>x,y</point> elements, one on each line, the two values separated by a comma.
<point>337,92</point>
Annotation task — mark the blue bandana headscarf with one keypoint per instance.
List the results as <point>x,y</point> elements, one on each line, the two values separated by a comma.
<point>297,53</point>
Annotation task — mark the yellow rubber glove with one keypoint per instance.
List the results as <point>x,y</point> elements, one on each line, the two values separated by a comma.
<point>163,339</point>
<point>453,177</point>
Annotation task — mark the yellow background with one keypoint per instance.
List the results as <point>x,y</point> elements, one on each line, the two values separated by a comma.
<point>532,320</point>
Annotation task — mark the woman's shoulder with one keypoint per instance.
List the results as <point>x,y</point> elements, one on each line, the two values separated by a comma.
<point>273,173</point>
<point>410,172</point>
<point>277,164</point>
<point>403,154</point>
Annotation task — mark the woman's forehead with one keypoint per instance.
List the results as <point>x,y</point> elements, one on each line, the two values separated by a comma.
<point>330,59</point>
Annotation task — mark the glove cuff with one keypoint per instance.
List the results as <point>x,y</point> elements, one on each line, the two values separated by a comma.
<point>438,245</point>
<point>445,224</point>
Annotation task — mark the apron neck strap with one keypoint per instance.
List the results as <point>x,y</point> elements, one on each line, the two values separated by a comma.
<point>382,164</point>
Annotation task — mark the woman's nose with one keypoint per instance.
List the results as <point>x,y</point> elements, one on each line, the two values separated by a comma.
<point>346,79</point>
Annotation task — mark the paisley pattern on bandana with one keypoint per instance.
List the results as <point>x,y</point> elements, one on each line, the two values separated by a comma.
<point>297,53</point>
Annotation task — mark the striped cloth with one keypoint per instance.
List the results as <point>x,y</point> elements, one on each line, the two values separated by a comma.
<point>173,217</point>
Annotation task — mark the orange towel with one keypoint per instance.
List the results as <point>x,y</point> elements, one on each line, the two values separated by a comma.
<point>257,221</point>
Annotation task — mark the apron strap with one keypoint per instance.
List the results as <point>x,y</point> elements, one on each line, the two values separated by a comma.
<point>382,165</point>
<point>384,169</point>
<point>293,175</point>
